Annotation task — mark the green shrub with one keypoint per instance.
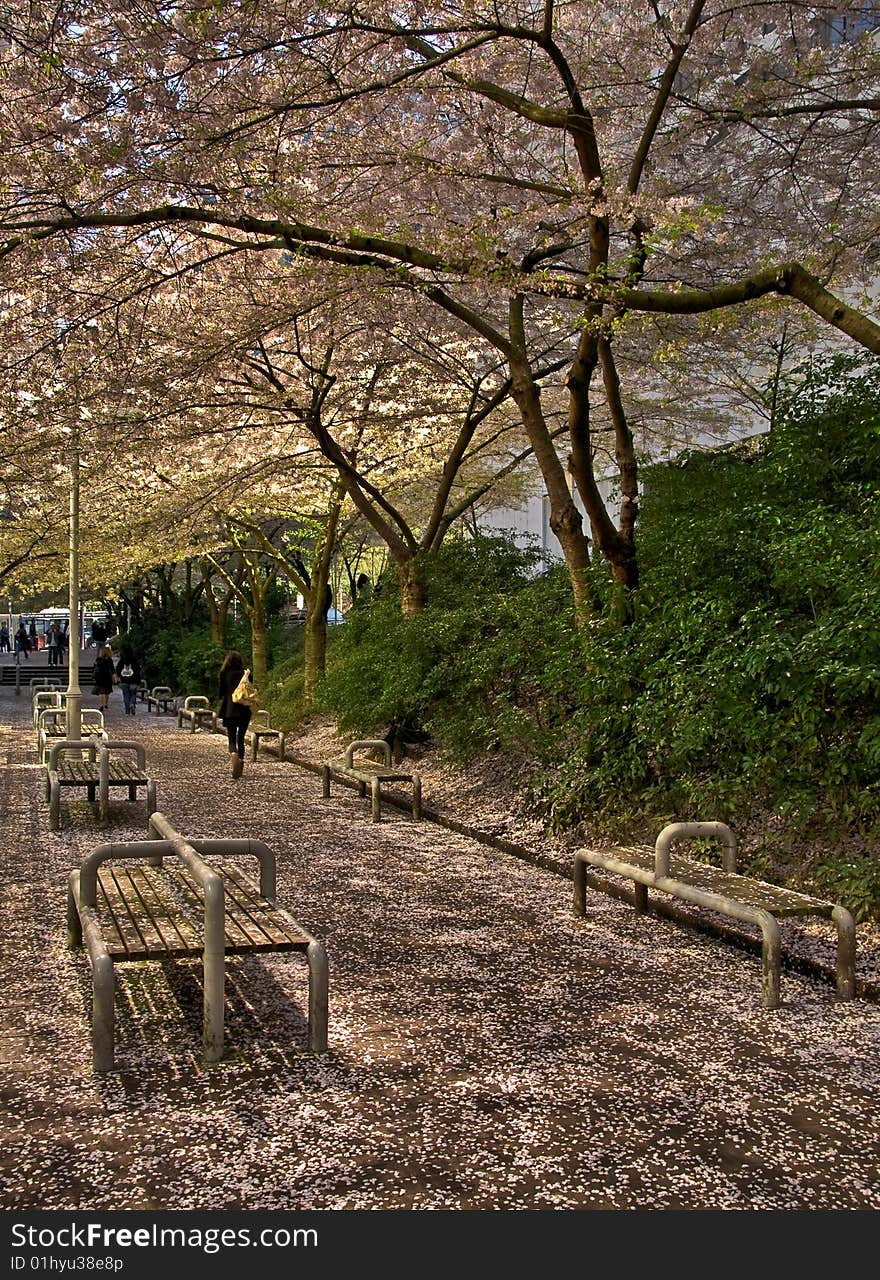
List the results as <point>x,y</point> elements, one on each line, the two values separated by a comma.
<point>488,663</point>
<point>751,675</point>
<point>853,880</point>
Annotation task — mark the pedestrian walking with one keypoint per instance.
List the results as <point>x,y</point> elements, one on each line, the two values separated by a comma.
<point>52,643</point>
<point>236,716</point>
<point>102,677</point>
<point>99,634</point>
<point>4,638</point>
<point>128,673</point>
<point>22,641</point>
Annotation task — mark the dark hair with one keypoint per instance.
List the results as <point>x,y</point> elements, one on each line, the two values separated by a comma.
<point>233,661</point>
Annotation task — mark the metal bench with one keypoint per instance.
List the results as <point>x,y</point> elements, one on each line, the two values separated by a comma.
<point>96,766</point>
<point>722,890</point>
<point>161,900</point>
<point>44,682</point>
<point>367,773</point>
<point>259,730</point>
<point>44,698</point>
<point>52,726</point>
<point>161,697</point>
<point>197,711</point>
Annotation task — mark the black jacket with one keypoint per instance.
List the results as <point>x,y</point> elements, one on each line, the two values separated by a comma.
<point>135,677</point>
<point>229,710</point>
<point>102,675</point>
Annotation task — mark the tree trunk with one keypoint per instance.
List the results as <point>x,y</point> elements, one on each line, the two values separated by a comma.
<point>413,588</point>
<point>315,656</point>
<point>316,644</point>
<point>218,610</point>
<point>566,520</point>
<point>259,666</point>
<point>219,615</point>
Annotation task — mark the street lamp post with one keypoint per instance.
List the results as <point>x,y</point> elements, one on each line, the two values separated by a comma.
<point>74,693</point>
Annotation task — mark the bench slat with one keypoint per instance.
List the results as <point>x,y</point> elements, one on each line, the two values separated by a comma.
<point>77,773</point>
<point>260,918</point>
<point>172,933</point>
<point>122,772</point>
<point>777,900</point>
<point>120,933</point>
<point>146,920</point>
<point>81,773</point>
<point>252,923</point>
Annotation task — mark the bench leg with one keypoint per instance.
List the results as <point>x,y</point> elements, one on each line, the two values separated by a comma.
<point>771,959</point>
<point>417,797</point>
<point>319,997</point>
<point>846,952</point>
<point>102,1013</point>
<point>214,967</point>
<point>640,897</point>
<point>54,804</point>
<point>74,924</point>
<point>151,797</point>
<point>580,887</point>
<point>254,743</point>
<point>375,800</point>
<point>325,781</point>
<point>282,740</point>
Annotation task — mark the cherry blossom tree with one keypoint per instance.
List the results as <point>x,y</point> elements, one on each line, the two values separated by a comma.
<point>614,179</point>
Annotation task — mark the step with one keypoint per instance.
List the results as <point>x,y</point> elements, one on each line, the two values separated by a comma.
<point>7,675</point>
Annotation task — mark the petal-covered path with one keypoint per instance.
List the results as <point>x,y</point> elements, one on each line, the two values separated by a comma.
<point>487,1049</point>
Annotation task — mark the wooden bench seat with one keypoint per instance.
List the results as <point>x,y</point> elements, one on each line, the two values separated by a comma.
<point>160,899</point>
<point>45,700</point>
<point>52,727</point>
<point>724,891</point>
<point>97,767</point>
<point>197,712</point>
<point>259,731</point>
<point>369,773</point>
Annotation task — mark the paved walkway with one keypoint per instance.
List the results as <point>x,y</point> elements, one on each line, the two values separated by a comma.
<point>487,1050</point>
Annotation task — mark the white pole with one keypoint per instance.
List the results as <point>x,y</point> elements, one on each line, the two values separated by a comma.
<point>74,693</point>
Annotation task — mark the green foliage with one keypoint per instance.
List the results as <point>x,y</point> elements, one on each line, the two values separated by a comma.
<point>751,676</point>
<point>488,664</point>
<point>853,879</point>
<point>189,660</point>
<point>748,682</point>
<point>284,697</point>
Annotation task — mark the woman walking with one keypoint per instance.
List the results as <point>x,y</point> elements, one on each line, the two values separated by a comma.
<point>102,677</point>
<point>236,716</point>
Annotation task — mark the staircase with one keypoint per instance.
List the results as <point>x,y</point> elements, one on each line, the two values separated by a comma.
<point>30,670</point>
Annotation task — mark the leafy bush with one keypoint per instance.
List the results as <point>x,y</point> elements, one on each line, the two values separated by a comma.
<point>751,676</point>
<point>850,878</point>
<point>487,664</point>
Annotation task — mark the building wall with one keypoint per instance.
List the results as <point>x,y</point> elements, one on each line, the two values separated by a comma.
<point>530,524</point>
